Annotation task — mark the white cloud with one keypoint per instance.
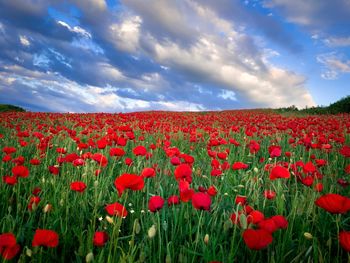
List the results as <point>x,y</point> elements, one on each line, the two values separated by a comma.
<point>338,41</point>
<point>126,34</point>
<point>220,54</point>
<point>334,64</point>
<point>75,29</point>
<point>227,95</point>
<point>24,40</point>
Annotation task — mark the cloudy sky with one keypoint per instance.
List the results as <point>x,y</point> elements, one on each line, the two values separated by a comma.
<point>135,55</point>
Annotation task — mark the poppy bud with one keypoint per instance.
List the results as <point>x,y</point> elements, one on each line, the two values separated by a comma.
<point>89,257</point>
<point>206,239</point>
<point>152,231</point>
<point>308,235</point>
<point>109,219</point>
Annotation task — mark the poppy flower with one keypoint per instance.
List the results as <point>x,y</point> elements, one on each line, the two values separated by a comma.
<point>257,239</point>
<point>116,209</point>
<point>183,171</point>
<point>148,172</point>
<point>344,240</point>
<point>34,161</point>
<point>54,170</point>
<point>279,172</point>
<point>173,200</point>
<point>20,171</point>
<point>212,191</point>
<point>155,203</point>
<point>78,186</point>
<point>239,166</point>
<point>140,150</point>
<point>6,158</point>
<point>10,180</point>
<point>255,217</point>
<point>268,224</point>
<point>128,161</point>
<point>78,162</point>
<point>307,180</point>
<point>100,238</point>
<point>8,246</point>
<point>280,221</point>
<point>9,150</point>
<point>128,181</point>
<point>242,200</point>
<point>334,203</point>
<point>116,152</point>
<point>201,201</point>
<point>345,151</point>
<point>309,167</point>
<point>175,161</point>
<point>275,151</point>
<point>45,237</point>
<point>269,194</point>
<point>100,159</point>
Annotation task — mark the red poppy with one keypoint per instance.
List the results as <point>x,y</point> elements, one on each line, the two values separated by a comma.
<point>241,200</point>
<point>268,224</point>
<point>175,160</point>
<point>8,246</point>
<point>78,186</point>
<point>345,151</point>
<point>307,180</point>
<point>334,203</point>
<point>100,238</point>
<point>9,150</point>
<point>257,239</point>
<point>255,217</point>
<point>116,152</point>
<point>10,180</point>
<point>78,162</point>
<point>201,201</point>
<point>212,191</point>
<point>148,172</point>
<point>279,172</point>
<point>128,161</point>
<point>100,159</point>
<point>239,166</point>
<point>280,221</point>
<point>269,194</point>
<point>6,158</point>
<point>344,240</point>
<point>140,150</point>
<point>275,151</point>
<point>116,209</point>
<point>183,171</point>
<point>20,171</point>
<point>54,170</point>
<point>34,161</point>
<point>45,237</point>
<point>155,203</point>
<point>173,200</point>
<point>309,167</point>
<point>128,181</point>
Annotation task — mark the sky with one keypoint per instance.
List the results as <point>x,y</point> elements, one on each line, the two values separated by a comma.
<point>177,55</point>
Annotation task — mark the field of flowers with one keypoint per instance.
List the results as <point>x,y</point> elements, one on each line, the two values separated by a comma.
<point>232,186</point>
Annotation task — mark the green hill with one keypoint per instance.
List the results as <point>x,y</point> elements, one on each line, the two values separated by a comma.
<point>8,107</point>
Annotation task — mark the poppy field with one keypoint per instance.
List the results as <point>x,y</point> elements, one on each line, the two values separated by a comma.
<point>231,186</point>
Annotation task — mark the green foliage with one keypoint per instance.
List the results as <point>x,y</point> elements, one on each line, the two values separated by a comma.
<point>340,106</point>
<point>8,107</point>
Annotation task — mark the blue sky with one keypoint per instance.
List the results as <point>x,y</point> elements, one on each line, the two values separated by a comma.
<point>136,55</point>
